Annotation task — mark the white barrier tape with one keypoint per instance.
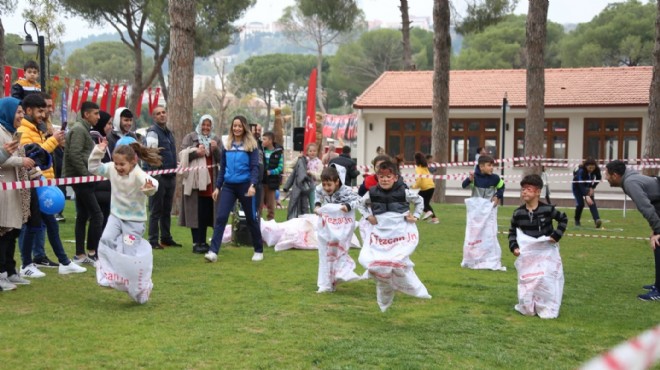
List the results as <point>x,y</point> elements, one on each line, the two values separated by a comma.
<point>641,352</point>
<point>83,179</point>
<point>596,236</point>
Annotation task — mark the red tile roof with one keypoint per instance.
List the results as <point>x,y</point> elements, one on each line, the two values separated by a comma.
<point>565,87</point>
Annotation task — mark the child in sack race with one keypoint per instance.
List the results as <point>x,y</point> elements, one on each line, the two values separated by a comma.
<point>122,236</point>
<point>392,237</point>
<point>534,240</point>
<point>335,204</point>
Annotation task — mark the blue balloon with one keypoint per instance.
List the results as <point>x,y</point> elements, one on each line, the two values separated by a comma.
<point>125,141</point>
<point>51,199</point>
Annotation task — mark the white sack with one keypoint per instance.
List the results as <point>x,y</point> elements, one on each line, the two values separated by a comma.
<point>226,235</point>
<point>126,267</point>
<point>540,276</point>
<point>481,250</point>
<point>386,255</point>
<point>271,232</point>
<point>298,233</point>
<point>335,230</point>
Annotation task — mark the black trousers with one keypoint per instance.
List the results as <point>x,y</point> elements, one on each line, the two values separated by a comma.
<point>7,250</point>
<point>87,209</point>
<point>160,209</point>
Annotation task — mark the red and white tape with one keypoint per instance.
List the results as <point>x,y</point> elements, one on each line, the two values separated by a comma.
<point>641,352</point>
<point>595,236</point>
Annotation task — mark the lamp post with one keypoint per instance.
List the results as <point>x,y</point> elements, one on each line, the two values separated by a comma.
<point>29,47</point>
<point>505,106</point>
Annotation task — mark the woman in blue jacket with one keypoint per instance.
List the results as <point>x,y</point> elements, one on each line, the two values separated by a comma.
<point>585,180</point>
<point>237,179</point>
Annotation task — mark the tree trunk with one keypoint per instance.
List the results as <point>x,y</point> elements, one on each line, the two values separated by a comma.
<point>278,127</point>
<point>537,17</point>
<point>182,55</point>
<point>164,91</point>
<point>652,136</point>
<point>405,32</point>
<point>222,112</point>
<point>138,84</point>
<point>441,56</point>
<point>2,51</point>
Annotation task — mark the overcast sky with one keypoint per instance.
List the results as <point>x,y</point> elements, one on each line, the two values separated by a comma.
<point>267,11</point>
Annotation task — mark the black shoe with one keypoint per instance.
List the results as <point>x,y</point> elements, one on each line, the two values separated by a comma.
<point>156,246</point>
<point>170,243</point>
<point>649,287</point>
<point>94,257</point>
<point>599,223</point>
<point>45,262</point>
<point>201,248</point>
<point>577,223</point>
<point>60,218</point>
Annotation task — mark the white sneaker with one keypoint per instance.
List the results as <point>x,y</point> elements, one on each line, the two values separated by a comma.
<point>427,215</point>
<point>31,271</point>
<point>17,280</point>
<point>5,284</point>
<point>71,268</point>
<point>258,257</point>
<point>211,256</point>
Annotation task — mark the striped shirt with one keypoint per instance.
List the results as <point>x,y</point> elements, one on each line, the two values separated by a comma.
<point>537,223</point>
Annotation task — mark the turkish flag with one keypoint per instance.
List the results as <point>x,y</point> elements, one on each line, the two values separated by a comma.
<point>139,106</point>
<point>74,96</point>
<point>122,98</point>
<point>85,94</point>
<point>113,100</point>
<point>21,73</point>
<point>95,94</point>
<point>7,80</point>
<point>104,98</point>
<point>154,103</point>
<point>310,121</point>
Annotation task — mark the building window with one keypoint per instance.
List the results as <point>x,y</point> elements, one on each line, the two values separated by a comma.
<point>465,136</point>
<point>407,136</point>
<point>612,138</point>
<point>555,142</point>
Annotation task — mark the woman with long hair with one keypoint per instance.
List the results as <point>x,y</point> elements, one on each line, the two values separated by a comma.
<point>237,179</point>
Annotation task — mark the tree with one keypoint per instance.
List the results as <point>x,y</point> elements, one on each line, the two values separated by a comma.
<point>502,46</point>
<point>440,105</point>
<point>405,33</point>
<point>537,17</point>
<point>484,13</point>
<point>320,23</point>
<point>107,62</point>
<point>44,14</point>
<point>621,35</point>
<point>652,136</point>
<point>12,52</point>
<point>358,64</point>
<point>145,23</point>
<point>6,8</point>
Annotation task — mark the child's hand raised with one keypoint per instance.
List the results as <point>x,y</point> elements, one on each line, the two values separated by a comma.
<point>103,143</point>
<point>148,185</point>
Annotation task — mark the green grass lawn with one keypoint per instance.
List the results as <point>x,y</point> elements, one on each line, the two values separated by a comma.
<point>245,315</point>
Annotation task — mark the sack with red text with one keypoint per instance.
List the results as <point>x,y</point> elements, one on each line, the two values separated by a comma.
<point>335,230</point>
<point>271,231</point>
<point>298,233</point>
<point>386,254</point>
<point>126,266</point>
<point>540,276</point>
<point>481,250</point>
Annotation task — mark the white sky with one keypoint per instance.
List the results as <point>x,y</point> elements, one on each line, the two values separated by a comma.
<point>267,11</point>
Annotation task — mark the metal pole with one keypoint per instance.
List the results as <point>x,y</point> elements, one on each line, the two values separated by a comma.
<point>42,60</point>
<point>504,105</point>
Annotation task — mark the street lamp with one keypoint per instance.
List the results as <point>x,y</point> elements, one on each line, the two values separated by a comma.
<point>505,106</point>
<point>29,47</point>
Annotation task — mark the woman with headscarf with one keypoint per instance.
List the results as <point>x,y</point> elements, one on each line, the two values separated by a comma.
<point>102,190</point>
<point>200,152</point>
<point>15,204</point>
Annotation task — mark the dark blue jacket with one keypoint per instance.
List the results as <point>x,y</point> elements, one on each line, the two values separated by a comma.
<point>238,166</point>
<point>165,141</point>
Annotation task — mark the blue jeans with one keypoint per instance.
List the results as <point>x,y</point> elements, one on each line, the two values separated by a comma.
<point>228,196</point>
<point>36,237</point>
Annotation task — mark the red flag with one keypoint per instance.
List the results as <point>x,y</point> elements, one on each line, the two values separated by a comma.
<point>74,96</point>
<point>122,99</point>
<point>95,94</point>
<point>85,94</point>
<point>310,121</point>
<point>53,94</point>
<point>149,106</point>
<point>155,102</point>
<point>113,100</point>
<point>7,80</point>
<point>104,98</point>
<point>139,106</point>
<point>21,73</point>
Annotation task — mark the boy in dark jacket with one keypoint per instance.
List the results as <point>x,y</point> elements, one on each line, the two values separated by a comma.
<point>273,166</point>
<point>485,183</point>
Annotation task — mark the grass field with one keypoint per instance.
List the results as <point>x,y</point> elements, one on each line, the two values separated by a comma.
<point>236,314</point>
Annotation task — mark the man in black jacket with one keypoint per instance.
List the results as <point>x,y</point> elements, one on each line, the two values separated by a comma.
<point>347,162</point>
